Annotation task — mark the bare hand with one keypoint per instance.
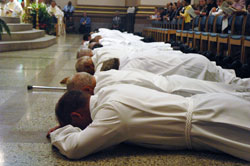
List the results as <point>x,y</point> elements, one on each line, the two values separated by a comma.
<point>51,130</point>
<point>197,12</point>
<point>213,9</point>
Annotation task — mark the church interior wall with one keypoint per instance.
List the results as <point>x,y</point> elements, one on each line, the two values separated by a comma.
<point>104,19</point>
<point>102,2</point>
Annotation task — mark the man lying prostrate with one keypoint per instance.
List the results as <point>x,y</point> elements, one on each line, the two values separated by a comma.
<point>152,119</point>
<point>124,53</point>
<point>84,52</point>
<point>168,63</point>
<point>115,34</point>
<point>189,65</point>
<point>109,37</point>
<point>174,84</point>
<point>100,55</point>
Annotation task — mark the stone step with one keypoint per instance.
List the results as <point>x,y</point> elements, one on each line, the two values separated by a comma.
<point>23,35</point>
<point>15,27</point>
<point>43,42</point>
<point>11,19</point>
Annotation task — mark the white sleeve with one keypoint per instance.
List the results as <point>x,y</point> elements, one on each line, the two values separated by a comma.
<point>106,130</point>
<point>18,8</point>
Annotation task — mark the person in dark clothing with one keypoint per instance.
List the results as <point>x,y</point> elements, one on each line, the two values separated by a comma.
<point>210,4</point>
<point>85,24</point>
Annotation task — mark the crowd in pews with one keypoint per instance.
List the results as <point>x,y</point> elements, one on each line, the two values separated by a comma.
<point>217,29</point>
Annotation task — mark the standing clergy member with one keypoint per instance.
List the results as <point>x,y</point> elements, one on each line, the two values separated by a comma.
<point>153,119</point>
<point>13,9</point>
<point>57,15</point>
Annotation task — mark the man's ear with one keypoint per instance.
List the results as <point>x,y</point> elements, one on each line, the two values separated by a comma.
<point>64,81</point>
<point>87,89</point>
<point>75,116</point>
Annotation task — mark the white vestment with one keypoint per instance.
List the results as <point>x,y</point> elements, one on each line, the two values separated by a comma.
<point>2,5</point>
<point>189,65</point>
<point>174,84</point>
<point>122,52</point>
<point>111,37</point>
<point>15,7</point>
<point>59,15</point>
<point>149,118</point>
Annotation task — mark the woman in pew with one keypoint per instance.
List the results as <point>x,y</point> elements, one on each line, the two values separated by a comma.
<point>186,15</point>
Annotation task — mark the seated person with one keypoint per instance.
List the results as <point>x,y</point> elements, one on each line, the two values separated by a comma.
<point>70,27</point>
<point>210,4</point>
<point>218,11</point>
<point>202,9</point>
<point>85,24</point>
<point>186,15</point>
<point>155,16</point>
<point>152,119</point>
<point>57,15</point>
<point>13,9</point>
<point>68,10</point>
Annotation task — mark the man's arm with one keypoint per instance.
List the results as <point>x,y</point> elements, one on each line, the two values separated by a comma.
<point>88,21</point>
<point>75,143</point>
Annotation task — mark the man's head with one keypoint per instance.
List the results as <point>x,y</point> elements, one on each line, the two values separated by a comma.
<point>84,52</point>
<point>11,0</point>
<point>202,2</point>
<point>84,14</point>
<point>82,81</point>
<point>248,8</point>
<point>117,13</point>
<point>219,2</point>
<point>69,3</point>
<point>161,10</point>
<point>73,108</point>
<point>53,3</point>
<point>186,2</point>
<point>85,64</point>
<point>179,4</point>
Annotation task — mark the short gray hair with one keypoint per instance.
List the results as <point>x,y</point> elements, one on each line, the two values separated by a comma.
<point>84,52</point>
<point>78,80</point>
<point>83,65</point>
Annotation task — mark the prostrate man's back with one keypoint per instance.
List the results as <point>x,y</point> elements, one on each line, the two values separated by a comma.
<point>154,119</point>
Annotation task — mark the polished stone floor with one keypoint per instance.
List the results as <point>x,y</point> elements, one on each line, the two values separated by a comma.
<point>26,116</point>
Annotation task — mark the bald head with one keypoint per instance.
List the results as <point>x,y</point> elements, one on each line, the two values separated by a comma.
<point>97,38</point>
<point>82,81</point>
<point>85,64</point>
<point>84,52</point>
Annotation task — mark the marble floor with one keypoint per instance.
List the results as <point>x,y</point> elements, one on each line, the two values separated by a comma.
<point>26,116</point>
